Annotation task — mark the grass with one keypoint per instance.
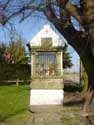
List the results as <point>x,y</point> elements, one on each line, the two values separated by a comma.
<point>72,116</point>
<point>14,103</point>
<point>66,120</point>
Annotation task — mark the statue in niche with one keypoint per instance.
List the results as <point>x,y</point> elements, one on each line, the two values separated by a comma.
<point>51,68</point>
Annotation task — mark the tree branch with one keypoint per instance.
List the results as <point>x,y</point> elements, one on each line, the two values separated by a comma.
<point>49,11</point>
<point>87,10</point>
<point>72,10</point>
<point>6,4</point>
<point>71,35</point>
<point>4,19</point>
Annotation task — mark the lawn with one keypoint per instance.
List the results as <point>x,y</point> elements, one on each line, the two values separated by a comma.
<point>14,104</point>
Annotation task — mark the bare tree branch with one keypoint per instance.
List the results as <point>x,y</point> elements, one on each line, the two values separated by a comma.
<point>4,18</point>
<point>6,4</point>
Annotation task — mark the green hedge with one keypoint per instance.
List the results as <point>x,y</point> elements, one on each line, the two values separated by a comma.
<point>14,71</point>
<point>73,87</point>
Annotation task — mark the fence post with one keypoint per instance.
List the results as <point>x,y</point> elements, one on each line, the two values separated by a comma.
<point>17,82</point>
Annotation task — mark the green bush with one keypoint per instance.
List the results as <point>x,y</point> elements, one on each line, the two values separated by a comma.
<point>73,87</point>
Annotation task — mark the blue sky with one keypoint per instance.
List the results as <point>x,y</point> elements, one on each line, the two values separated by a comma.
<point>29,28</point>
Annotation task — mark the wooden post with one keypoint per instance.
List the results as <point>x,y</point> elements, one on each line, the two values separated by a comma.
<point>17,82</point>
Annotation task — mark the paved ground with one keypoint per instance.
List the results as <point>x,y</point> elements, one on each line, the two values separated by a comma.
<point>47,119</point>
<point>70,114</point>
<point>47,115</point>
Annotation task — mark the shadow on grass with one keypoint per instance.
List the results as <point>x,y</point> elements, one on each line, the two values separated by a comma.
<point>3,118</point>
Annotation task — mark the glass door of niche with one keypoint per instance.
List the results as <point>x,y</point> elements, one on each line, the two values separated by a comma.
<point>46,64</point>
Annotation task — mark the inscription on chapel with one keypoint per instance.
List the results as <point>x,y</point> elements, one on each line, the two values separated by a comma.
<point>46,42</point>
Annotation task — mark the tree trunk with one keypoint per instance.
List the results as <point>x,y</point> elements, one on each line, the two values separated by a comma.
<point>88,61</point>
<point>89,97</point>
<point>89,102</point>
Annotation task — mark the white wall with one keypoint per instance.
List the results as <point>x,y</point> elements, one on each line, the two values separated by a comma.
<point>46,97</point>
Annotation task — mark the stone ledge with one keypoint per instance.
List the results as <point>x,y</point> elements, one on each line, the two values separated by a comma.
<point>46,108</point>
<point>47,84</point>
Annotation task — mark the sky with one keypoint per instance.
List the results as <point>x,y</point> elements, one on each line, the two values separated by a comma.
<point>29,28</point>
